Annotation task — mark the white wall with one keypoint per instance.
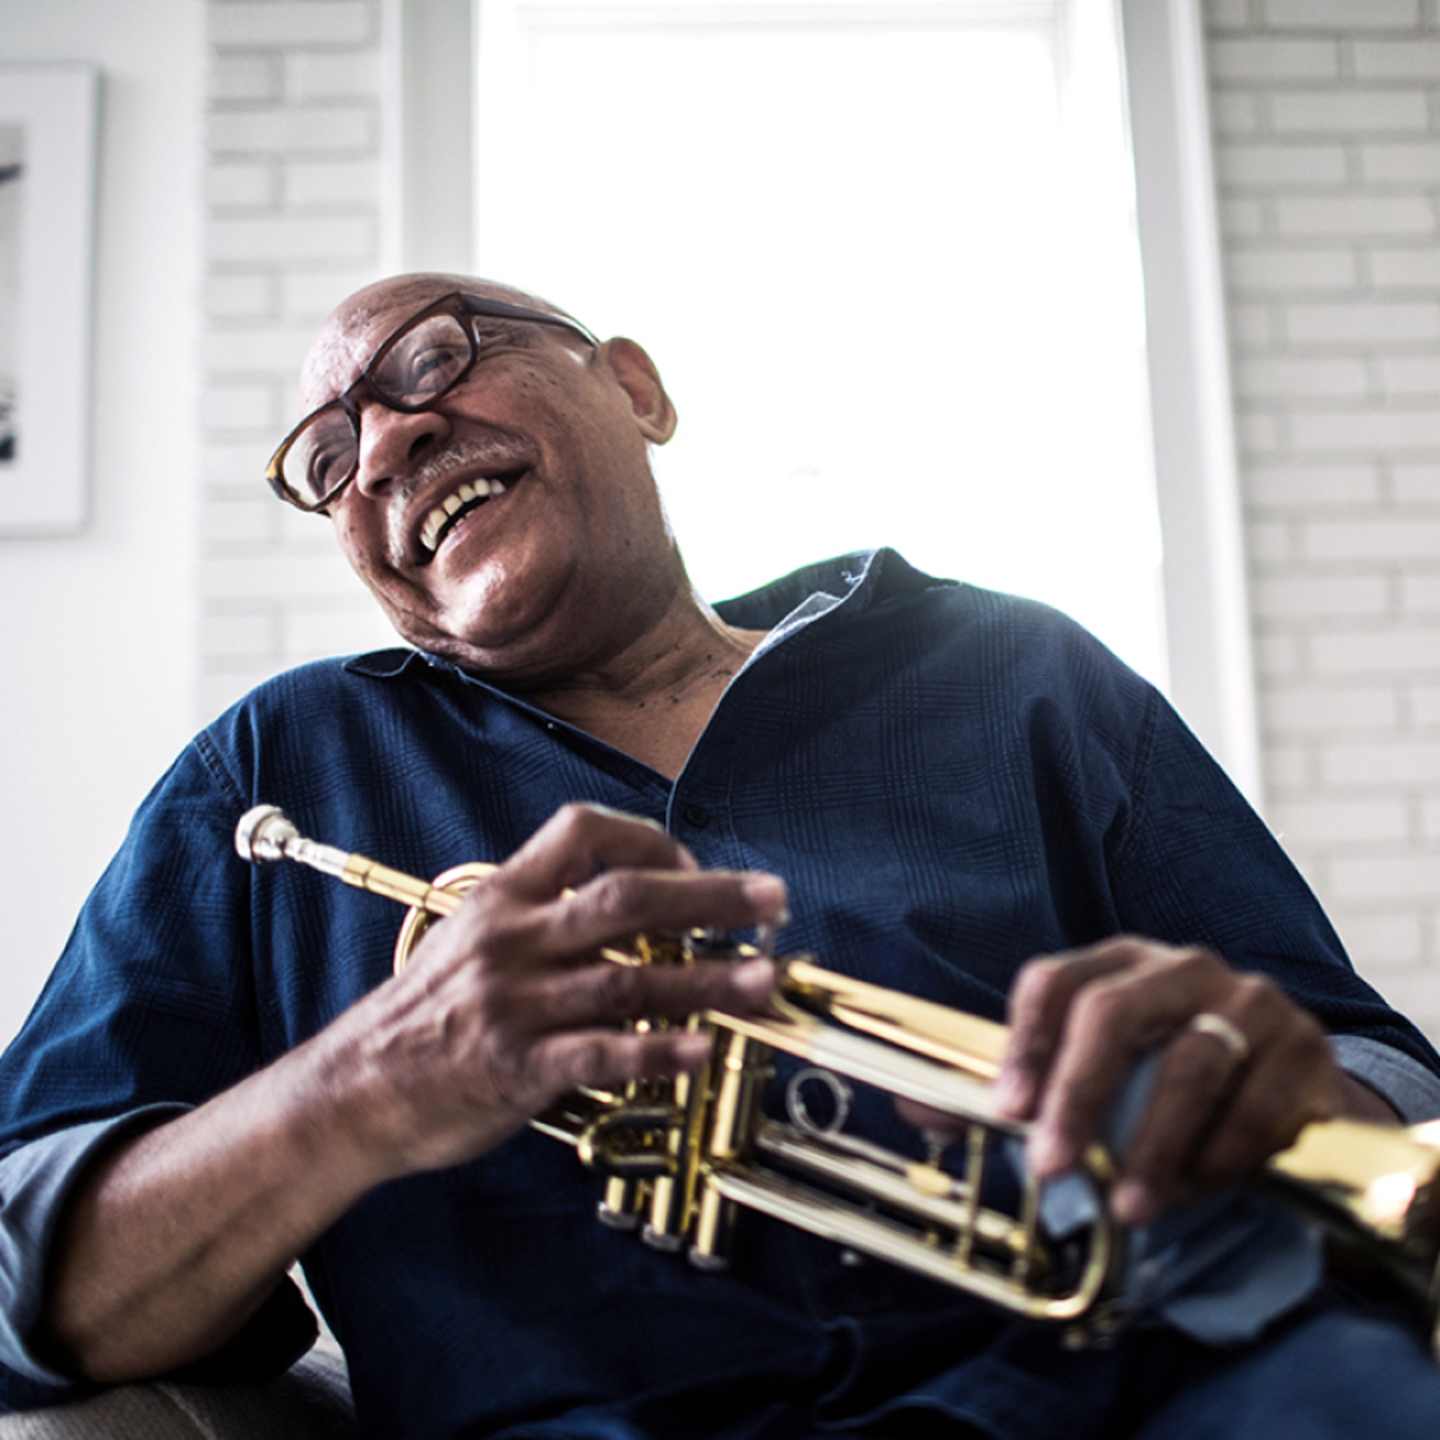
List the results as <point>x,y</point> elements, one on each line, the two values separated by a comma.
<point>99,683</point>
<point>1328,150</point>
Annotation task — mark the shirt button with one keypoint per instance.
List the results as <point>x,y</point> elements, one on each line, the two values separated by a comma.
<point>695,815</point>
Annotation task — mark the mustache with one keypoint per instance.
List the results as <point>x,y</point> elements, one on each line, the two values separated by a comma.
<point>486,451</point>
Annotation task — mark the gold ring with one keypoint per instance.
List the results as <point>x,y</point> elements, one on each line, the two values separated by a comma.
<point>1217,1027</point>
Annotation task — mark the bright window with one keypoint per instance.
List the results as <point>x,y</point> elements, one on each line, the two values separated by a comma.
<point>885,258</point>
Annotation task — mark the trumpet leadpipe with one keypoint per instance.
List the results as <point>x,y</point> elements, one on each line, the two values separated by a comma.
<point>266,834</point>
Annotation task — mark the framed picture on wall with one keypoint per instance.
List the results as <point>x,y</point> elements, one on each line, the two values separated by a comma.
<point>47,203</point>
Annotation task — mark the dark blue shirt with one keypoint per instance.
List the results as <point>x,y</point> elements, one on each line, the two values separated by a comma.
<point>950,781</point>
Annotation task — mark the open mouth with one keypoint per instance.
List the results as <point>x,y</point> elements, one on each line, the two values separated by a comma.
<point>465,498</point>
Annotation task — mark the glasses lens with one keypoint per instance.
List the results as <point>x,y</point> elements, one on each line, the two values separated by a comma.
<point>321,456</point>
<point>426,360</point>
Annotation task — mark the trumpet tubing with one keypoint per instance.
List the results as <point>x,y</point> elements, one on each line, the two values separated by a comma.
<point>680,1159</point>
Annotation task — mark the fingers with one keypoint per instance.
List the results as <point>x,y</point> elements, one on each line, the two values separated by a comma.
<point>1291,1082</point>
<point>575,1051</point>
<point>607,994</point>
<point>614,907</point>
<point>591,876</point>
<point>1039,1004</point>
<point>1219,1106</point>
<point>622,902</point>
<point>605,1059</point>
<point>1193,1085</point>
<point>1109,1025</point>
<point>508,1004</point>
<point>529,940</point>
<point>1217,1115</point>
<point>578,842</point>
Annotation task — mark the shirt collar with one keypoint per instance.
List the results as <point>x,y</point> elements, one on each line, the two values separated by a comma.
<point>858,581</point>
<point>384,664</point>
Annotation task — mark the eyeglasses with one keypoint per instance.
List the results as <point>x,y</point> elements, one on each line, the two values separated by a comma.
<point>419,364</point>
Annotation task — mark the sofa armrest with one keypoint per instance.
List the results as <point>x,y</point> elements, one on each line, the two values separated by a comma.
<point>310,1402</point>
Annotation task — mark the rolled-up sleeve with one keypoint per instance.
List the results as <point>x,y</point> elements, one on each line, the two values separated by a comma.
<point>149,1013</point>
<point>1412,1089</point>
<point>35,1182</point>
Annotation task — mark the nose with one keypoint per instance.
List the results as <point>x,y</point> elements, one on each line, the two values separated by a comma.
<point>392,443</point>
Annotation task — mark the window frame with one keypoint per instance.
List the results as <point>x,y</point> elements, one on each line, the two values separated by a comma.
<point>431,224</point>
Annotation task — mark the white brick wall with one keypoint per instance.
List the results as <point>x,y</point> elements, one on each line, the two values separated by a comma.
<point>294,200</point>
<point>1327,117</point>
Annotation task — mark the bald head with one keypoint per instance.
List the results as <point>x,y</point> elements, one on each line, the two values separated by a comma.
<point>417,289</point>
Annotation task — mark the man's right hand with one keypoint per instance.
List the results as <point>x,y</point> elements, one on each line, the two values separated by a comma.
<point>507,1004</point>
<point>171,1240</point>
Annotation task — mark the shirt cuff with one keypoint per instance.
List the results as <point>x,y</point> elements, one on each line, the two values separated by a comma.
<point>35,1182</point>
<point>1408,1085</point>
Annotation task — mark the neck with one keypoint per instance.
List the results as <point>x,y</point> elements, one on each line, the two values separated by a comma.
<point>653,695</point>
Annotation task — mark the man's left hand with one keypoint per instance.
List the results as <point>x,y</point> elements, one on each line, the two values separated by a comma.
<point>1228,1093</point>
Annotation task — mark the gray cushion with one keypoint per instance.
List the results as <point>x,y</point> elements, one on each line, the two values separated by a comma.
<point>311,1402</point>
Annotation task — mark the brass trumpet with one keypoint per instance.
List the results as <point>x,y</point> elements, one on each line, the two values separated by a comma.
<point>680,1157</point>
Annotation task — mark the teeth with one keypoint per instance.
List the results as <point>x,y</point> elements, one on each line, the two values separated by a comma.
<point>451,504</point>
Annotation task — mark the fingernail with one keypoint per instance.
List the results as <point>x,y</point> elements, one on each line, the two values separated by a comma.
<point>1131,1203</point>
<point>767,894</point>
<point>687,859</point>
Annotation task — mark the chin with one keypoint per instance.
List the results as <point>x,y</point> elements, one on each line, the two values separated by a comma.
<point>500,624</point>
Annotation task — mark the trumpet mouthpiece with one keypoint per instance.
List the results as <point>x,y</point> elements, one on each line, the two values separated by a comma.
<point>262,833</point>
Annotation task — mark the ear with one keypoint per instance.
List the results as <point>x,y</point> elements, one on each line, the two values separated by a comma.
<point>637,376</point>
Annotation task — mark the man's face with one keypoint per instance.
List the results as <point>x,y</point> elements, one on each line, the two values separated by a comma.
<point>572,539</point>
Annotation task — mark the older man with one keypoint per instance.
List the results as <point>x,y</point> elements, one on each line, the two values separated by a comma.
<point>221,1078</point>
